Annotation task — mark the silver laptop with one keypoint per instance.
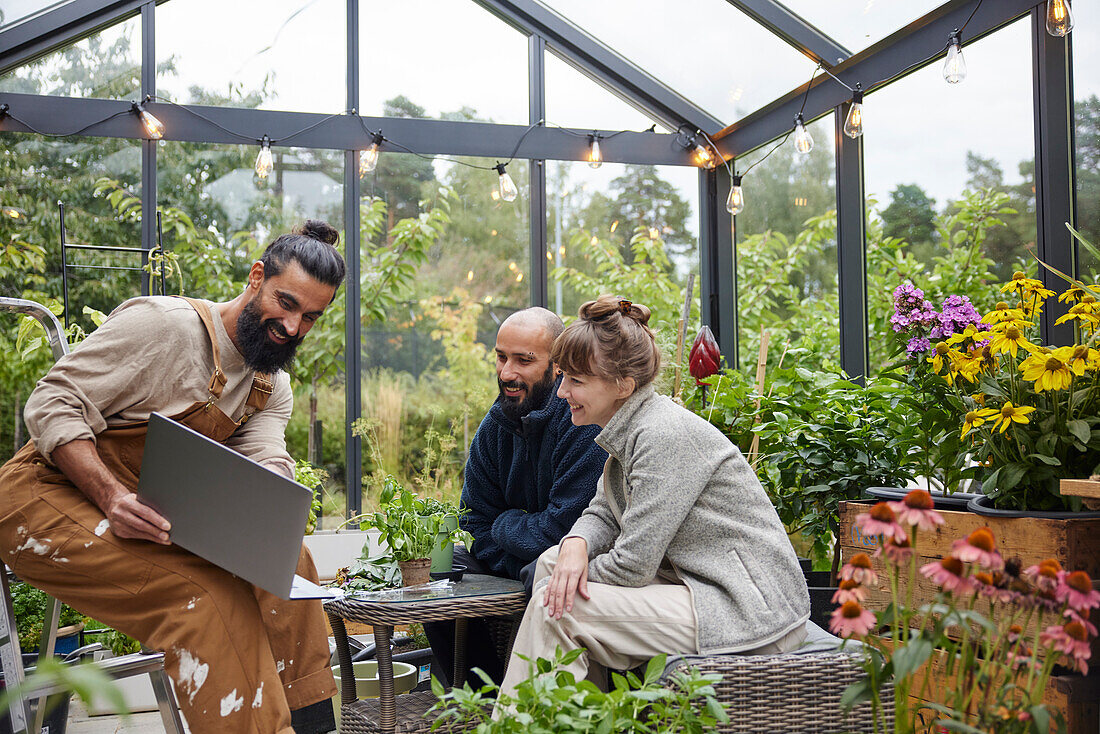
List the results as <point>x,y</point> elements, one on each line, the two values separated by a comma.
<point>226,508</point>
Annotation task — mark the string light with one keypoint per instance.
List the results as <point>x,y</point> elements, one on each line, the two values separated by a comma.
<point>368,159</point>
<point>735,202</point>
<point>154,128</point>
<point>594,241</point>
<point>853,123</point>
<point>703,156</point>
<point>803,141</point>
<point>265,164</point>
<point>519,277</point>
<point>12,212</point>
<point>954,68</point>
<point>595,156</point>
<point>614,226</point>
<point>1059,17</point>
<point>508,190</point>
<point>469,276</point>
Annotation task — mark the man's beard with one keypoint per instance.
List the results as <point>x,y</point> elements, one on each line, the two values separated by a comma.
<point>260,352</point>
<point>536,395</point>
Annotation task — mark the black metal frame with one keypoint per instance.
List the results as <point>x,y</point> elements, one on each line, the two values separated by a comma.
<point>887,59</point>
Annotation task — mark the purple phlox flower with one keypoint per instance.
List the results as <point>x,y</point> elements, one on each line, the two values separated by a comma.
<point>918,345</point>
<point>911,309</point>
<point>958,313</point>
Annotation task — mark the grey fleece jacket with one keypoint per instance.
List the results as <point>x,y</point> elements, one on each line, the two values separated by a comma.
<point>687,494</point>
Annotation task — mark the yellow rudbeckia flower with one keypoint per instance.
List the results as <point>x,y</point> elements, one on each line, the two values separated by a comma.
<point>1009,414</point>
<point>1082,358</point>
<point>1009,339</point>
<point>1002,312</point>
<point>939,356</point>
<point>1084,313</point>
<point>1073,294</point>
<point>1048,371</point>
<point>975,418</point>
<point>1026,286</point>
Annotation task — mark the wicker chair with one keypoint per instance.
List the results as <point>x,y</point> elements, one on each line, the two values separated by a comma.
<point>794,692</point>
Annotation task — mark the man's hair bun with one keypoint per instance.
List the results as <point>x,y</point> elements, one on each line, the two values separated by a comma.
<point>321,231</point>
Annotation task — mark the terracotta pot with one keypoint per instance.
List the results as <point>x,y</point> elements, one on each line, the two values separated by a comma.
<point>416,571</point>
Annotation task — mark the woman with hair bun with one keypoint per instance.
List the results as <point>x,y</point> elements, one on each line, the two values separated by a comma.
<point>680,551</point>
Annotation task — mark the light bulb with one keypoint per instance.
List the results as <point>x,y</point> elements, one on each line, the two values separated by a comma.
<point>12,212</point>
<point>508,190</point>
<point>368,159</point>
<point>1059,17</point>
<point>703,156</point>
<point>954,69</point>
<point>803,141</point>
<point>735,202</point>
<point>853,123</point>
<point>264,162</point>
<point>595,156</point>
<point>154,128</point>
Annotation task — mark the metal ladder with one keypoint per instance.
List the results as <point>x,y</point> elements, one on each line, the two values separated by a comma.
<point>24,716</point>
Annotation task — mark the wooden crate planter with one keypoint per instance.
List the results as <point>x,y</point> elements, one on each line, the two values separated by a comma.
<point>1075,543</point>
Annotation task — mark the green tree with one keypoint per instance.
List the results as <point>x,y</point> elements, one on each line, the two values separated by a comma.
<point>910,215</point>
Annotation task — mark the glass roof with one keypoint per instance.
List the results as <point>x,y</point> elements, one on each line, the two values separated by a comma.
<point>269,59</point>
<point>460,61</point>
<point>706,50</point>
<point>574,100</point>
<point>13,11</point>
<point>857,24</point>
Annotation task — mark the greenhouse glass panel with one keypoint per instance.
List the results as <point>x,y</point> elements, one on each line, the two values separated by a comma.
<point>277,55</point>
<point>706,50</point>
<point>457,62</point>
<point>936,154</point>
<point>105,65</point>
<point>428,336</point>
<point>603,224</point>
<point>218,217</point>
<point>786,251</point>
<point>15,11</point>
<point>36,173</point>
<point>857,24</point>
<point>1085,38</point>
<point>574,100</point>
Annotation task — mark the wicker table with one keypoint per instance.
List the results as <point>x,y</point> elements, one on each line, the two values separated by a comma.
<point>475,596</point>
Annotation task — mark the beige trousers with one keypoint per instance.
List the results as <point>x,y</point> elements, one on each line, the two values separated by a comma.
<point>621,627</point>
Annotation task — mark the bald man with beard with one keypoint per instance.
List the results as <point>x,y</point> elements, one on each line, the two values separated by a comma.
<point>529,475</point>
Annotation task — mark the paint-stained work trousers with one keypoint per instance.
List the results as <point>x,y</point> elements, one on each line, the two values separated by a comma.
<point>241,658</point>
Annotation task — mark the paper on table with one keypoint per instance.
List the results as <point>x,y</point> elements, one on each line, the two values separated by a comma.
<point>302,588</point>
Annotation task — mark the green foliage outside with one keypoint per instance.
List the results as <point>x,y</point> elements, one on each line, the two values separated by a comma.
<point>30,607</point>
<point>553,701</point>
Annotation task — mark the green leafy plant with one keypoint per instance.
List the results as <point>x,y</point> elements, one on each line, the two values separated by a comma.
<point>30,606</point>
<point>552,700</point>
<point>117,642</point>
<point>410,526</point>
<point>314,479</point>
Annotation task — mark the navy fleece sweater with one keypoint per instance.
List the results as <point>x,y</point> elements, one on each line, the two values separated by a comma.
<point>527,483</point>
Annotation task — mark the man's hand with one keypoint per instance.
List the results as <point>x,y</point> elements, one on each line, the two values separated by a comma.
<point>130,518</point>
<point>570,577</point>
<point>80,462</point>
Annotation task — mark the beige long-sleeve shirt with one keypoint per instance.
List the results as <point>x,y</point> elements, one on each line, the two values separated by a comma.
<point>153,354</point>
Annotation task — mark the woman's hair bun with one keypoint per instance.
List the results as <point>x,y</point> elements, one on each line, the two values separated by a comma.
<point>318,230</point>
<point>607,305</point>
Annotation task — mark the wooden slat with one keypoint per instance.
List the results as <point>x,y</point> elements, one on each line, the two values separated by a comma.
<point>1080,488</point>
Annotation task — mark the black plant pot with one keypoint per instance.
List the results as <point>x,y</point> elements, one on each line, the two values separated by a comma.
<point>426,666</point>
<point>819,585</point>
<point>805,564</point>
<point>982,505</point>
<point>957,501</point>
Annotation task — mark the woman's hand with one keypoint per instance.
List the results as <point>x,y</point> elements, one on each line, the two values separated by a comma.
<point>570,577</point>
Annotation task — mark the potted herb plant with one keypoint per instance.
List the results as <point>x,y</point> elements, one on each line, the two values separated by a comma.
<point>411,527</point>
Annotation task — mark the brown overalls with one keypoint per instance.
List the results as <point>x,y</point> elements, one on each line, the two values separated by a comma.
<point>241,658</point>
